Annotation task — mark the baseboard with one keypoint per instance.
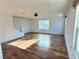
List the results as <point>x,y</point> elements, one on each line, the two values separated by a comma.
<point>42,33</point>
<point>31,33</point>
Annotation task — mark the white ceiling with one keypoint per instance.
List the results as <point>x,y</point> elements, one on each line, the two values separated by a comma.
<point>44,8</point>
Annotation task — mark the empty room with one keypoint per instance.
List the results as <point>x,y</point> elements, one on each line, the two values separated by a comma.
<point>39,29</point>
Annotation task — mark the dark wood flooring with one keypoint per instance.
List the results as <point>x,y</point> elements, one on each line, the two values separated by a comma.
<point>47,47</point>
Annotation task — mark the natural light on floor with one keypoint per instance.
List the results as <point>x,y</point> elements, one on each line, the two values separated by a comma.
<point>23,44</point>
<point>44,41</point>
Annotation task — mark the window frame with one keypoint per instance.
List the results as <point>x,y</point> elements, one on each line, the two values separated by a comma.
<point>75,33</point>
<point>42,27</point>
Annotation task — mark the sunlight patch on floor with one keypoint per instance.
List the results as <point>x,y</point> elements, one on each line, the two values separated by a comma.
<point>23,44</point>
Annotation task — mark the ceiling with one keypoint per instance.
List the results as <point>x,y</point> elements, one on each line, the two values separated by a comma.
<point>44,8</point>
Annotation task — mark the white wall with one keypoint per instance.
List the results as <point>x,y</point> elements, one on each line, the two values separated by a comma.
<point>56,25</point>
<point>8,30</point>
<point>1,35</point>
<point>69,31</point>
<point>25,25</point>
<point>1,28</point>
<point>21,24</point>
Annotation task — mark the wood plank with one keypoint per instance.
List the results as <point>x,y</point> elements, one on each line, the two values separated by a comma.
<point>37,46</point>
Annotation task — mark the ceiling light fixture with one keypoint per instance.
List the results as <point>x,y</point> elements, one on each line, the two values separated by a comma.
<point>35,14</point>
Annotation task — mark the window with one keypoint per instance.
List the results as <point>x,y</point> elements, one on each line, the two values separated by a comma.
<point>44,24</point>
<point>77,32</point>
<point>77,37</point>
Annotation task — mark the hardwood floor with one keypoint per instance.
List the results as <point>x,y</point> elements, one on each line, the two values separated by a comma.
<point>42,46</point>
